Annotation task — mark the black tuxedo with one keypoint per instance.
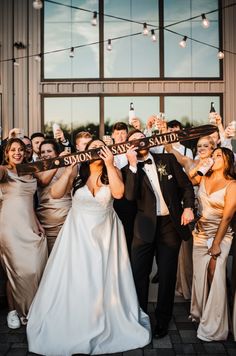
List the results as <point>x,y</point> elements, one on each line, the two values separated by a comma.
<point>158,234</point>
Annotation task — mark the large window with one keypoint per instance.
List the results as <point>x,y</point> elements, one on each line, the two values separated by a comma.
<point>197,59</point>
<point>77,114</point>
<point>133,55</point>
<point>72,114</point>
<point>190,110</point>
<point>66,27</point>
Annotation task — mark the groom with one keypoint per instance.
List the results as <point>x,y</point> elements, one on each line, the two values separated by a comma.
<point>165,200</point>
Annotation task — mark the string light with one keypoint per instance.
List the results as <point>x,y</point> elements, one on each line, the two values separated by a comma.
<point>154,38</point>
<point>220,55</point>
<point>38,57</point>
<point>72,52</point>
<point>37,4</point>
<point>166,28</point>
<point>94,19</point>
<point>15,63</point>
<point>183,42</point>
<point>205,21</point>
<point>145,29</point>
<point>109,45</point>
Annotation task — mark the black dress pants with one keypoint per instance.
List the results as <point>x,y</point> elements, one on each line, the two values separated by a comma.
<point>165,245</point>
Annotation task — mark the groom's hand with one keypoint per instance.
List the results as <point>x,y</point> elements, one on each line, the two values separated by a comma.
<point>131,155</point>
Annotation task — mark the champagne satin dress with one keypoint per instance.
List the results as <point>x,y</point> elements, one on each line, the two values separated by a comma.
<point>23,252</point>
<point>52,212</point>
<point>209,307</point>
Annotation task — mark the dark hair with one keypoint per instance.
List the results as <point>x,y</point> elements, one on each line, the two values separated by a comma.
<point>8,147</point>
<point>120,126</point>
<point>132,132</point>
<point>84,172</point>
<point>50,141</point>
<point>174,123</point>
<point>228,155</point>
<point>36,134</point>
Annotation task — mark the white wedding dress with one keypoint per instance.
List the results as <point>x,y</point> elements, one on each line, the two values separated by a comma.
<point>86,302</point>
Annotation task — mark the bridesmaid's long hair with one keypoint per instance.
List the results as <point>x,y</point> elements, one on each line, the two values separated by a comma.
<point>85,172</point>
<point>228,156</point>
<point>8,147</point>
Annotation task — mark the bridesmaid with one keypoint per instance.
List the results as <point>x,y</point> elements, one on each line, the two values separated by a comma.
<point>212,241</point>
<point>51,212</point>
<point>23,247</point>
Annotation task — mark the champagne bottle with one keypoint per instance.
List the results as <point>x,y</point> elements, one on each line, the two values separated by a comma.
<point>131,113</point>
<point>212,112</point>
<point>55,127</point>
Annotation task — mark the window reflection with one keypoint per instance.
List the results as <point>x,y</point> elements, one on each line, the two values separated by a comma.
<point>117,109</point>
<point>134,56</point>
<point>66,27</point>
<point>72,114</point>
<point>190,111</point>
<point>196,60</point>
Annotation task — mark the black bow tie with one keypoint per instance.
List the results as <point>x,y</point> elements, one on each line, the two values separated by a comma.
<point>142,163</point>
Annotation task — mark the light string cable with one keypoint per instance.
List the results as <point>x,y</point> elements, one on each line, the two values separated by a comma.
<point>166,28</point>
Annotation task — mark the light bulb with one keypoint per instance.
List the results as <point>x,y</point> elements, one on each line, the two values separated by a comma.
<point>37,4</point>
<point>38,57</point>
<point>72,54</point>
<point>16,64</point>
<point>205,21</point>
<point>220,55</point>
<point>109,46</point>
<point>94,19</point>
<point>154,38</point>
<point>183,43</point>
<point>145,29</point>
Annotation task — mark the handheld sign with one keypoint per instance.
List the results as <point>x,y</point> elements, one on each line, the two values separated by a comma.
<point>93,154</point>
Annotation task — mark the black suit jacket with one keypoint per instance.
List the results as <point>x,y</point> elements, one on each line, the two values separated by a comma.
<point>177,191</point>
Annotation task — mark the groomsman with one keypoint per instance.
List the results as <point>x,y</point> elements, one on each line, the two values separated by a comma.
<point>160,187</point>
<point>126,210</point>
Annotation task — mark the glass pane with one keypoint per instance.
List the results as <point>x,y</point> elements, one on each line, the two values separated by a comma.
<point>117,109</point>
<point>190,110</point>
<point>196,60</point>
<point>66,27</point>
<point>72,114</point>
<point>128,57</point>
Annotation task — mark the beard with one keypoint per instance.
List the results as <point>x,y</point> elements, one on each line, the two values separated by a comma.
<point>142,153</point>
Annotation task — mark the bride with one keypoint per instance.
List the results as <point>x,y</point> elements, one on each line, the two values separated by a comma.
<point>86,302</point>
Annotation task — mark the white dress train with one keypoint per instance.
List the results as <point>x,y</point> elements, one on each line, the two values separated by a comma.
<point>86,301</point>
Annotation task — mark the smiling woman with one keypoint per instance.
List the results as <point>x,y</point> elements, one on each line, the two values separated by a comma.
<point>51,212</point>
<point>23,251</point>
<point>212,241</point>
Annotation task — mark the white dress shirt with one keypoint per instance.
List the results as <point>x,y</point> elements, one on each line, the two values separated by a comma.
<point>151,172</point>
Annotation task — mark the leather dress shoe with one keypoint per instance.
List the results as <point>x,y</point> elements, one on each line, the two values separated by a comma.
<point>159,332</point>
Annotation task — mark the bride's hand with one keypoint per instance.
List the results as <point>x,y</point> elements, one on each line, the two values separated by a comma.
<point>107,156</point>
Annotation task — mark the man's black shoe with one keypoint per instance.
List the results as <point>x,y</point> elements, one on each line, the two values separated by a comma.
<point>159,332</point>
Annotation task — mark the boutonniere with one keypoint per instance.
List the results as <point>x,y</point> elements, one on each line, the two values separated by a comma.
<point>161,168</point>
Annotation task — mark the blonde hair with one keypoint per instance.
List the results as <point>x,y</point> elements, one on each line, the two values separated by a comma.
<point>210,140</point>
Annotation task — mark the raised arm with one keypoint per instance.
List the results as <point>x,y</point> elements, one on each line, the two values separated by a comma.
<point>186,162</point>
<point>114,175</point>
<point>64,184</point>
<point>44,178</point>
